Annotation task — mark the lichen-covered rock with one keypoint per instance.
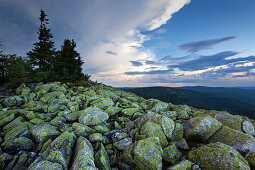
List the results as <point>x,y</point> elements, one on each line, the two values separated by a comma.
<point>65,139</point>
<point>151,129</point>
<point>184,164</point>
<point>21,143</point>
<point>238,140</point>
<point>171,153</point>
<point>122,144</point>
<point>250,157</point>
<point>148,154</point>
<point>182,144</point>
<point>167,125</point>
<point>160,106</point>
<point>82,130</point>
<point>232,121</point>
<point>102,103</point>
<point>84,155</point>
<point>248,128</point>
<point>129,111</point>
<point>57,157</point>
<point>46,165</point>
<point>43,132</point>
<point>102,159</point>
<point>72,116</point>
<point>12,124</point>
<point>96,137</point>
<point>15,132</point>
<point>13,101</point>
<point>93,116</point>
<point>201,128</point>
<point>178,132</point>
<point>218,156</point>
<point>112,110</point>
<point>102,128</point>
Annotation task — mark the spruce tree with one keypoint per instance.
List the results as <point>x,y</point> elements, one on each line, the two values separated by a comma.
<point>68,62</point>
<point>42,55</point>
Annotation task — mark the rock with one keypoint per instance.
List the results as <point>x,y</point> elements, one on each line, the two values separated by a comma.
<point>231,121</point>
<point>73,116</point>
<point>122,144</point>
<point>82,130</point>
<point>112,110</point>
<point>93,116</point>
<point>167,125</point>
<point>65,139</point>
<point>43,132</point>
<point>182,144</point>
<point>183,111</point>
<point>250,157</point>
<point>13,101</point>
<point>218,156</point>
<point>46,165</point>
<point>148,153</point>
<point>178,132</point>
<point>117,136</point>
<point>96,137</point>
<point>102,103</point>
<point>6,117</point>
<point>201,128</point>
<point>160,106</point>
<point>248,128</point>
<point>129,112</point>
<point>102,128</point>
<point>14,123</point>
<point>171,153</point>
<point>15,132</point>
<point>184,164</point>
<point>238,140</point>
<point>84,155</point>
<point>151,129</point>
<point>21,143</point>
<point>58,157</point>
<point>102,159</point>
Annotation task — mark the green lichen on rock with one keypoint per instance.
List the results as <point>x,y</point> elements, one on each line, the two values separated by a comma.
<point>231,121</point>
<point>248,128</point>
<point>84,155</point>
<point>46,165</point>
<point>201,128</point>
<point>151,129</point>
<point>82,130</point>
<point>112,110</point>
<point>184,164</point>
<point>102,103</point>
<point>20,143</point>
<point>218,156</point>
<point>43,132</point>
<point>96,137</point>
<point>15,132</point>
<point>122,144</point>
<point>148,154</point>
<point>101,159</point>
<point>93,116</point>
<point>238,140</point>
<point>178,132</point>
<point>171,153</point>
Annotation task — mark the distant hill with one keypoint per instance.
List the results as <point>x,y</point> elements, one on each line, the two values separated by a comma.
<point>234,100</point>
<point>245,94</point>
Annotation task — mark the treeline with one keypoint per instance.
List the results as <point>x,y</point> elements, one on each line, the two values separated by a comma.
<point>43,63</point>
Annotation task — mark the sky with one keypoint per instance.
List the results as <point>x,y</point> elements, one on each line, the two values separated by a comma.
<point>144,43</point>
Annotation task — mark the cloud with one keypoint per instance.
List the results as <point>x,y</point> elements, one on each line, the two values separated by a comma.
<point>110,52</point>
<point>204,62</point>
<point>149,72</point>
<point>161,31</point>
<point>136,63</point>
<point>193,47</point>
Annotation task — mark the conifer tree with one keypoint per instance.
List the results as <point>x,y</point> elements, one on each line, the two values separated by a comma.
<point>68,62</point>
<point>42,55</point>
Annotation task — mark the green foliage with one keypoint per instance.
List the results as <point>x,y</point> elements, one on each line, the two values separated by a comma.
<point>14,69</point>
<point>42,56</point>
<point>68,63</point>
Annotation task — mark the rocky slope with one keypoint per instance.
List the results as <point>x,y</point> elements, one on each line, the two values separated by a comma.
<point>53,126</point>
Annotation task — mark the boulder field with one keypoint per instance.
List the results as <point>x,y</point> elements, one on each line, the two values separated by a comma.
<point>59,126</point>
